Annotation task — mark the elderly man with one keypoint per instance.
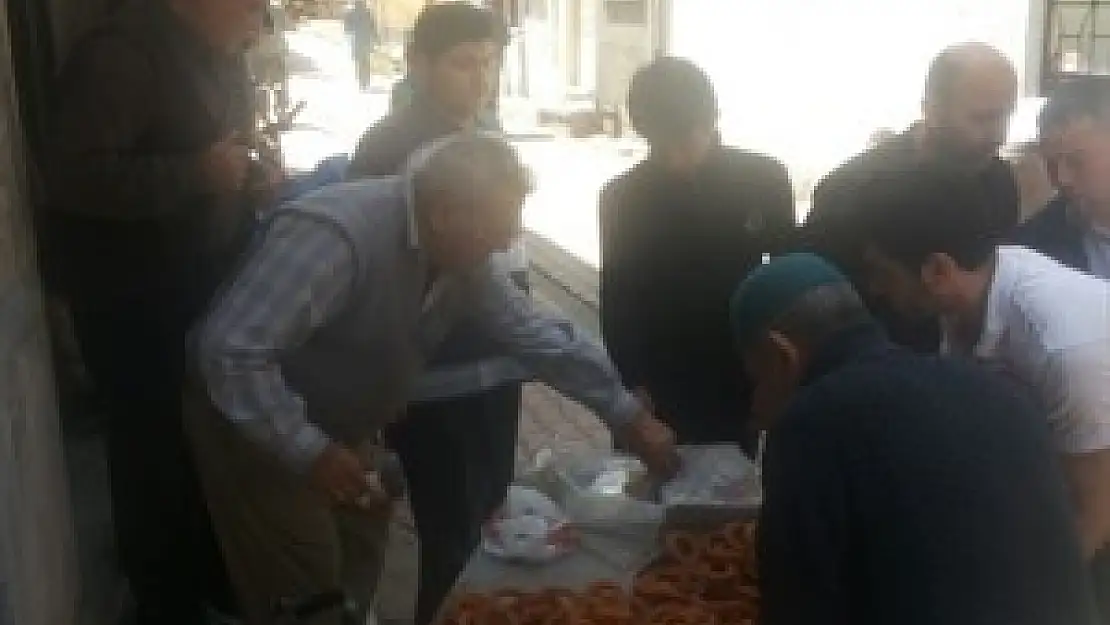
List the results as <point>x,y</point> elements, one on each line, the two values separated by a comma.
<point>458,444</point>
<point>319,340</point>
<point>933,252</point>
<point>900,488</point>
<point>148,173</point>
<point>1074,228</point>
<point>970,93</point>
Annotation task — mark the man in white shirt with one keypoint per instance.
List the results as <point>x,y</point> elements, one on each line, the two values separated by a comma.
<point>932,250</point>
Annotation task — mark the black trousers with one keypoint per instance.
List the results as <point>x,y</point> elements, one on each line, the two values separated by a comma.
<point>166,546</point>
<point>458,457</point>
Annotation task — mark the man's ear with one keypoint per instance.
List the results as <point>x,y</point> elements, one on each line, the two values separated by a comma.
<point>937,270</point>
<point>786,353</point>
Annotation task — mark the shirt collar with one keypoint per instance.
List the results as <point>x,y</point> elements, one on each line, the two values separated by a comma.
<point>859,341</point>
<point>994,323</point>
<point>415,164</point>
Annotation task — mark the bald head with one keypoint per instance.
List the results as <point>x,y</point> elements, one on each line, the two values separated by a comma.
<point>970,93</point>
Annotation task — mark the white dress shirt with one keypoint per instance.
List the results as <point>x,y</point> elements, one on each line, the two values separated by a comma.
<point>1050,326</point>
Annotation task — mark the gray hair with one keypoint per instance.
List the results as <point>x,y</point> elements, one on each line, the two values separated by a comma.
<point>821,313</point>
<point>465,164</point>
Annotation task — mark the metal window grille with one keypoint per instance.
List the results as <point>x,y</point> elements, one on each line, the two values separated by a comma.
<point>1076,41</point>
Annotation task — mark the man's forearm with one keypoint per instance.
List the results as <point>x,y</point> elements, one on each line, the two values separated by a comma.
<point>579,368</point>
<point>260,405</point>
<point>1089,477</point>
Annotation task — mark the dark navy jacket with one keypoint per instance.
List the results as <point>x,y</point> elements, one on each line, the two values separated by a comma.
<point>911,489</point>
<point>1056,233</point>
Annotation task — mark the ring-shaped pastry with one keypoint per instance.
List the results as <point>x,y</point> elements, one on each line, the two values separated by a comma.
<point>683,546</point>
<point>719,548</point>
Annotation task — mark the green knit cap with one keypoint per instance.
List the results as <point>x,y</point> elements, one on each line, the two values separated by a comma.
<point>771,289</point>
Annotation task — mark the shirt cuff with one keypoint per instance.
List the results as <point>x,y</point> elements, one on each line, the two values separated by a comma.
<point>304,446</point>
<point>625,406</point>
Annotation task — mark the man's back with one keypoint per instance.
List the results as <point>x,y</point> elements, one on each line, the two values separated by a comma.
<point>140,100</point>
<point>906,489</point>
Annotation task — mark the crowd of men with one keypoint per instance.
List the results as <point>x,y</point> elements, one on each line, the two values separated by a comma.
<point>933,376</point>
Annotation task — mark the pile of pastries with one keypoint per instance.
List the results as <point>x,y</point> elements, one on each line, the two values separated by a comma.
<point>702,578</point>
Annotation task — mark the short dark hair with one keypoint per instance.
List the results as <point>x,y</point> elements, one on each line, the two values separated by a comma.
<point>668,98</point>
<point>911,213</point>
<point>1075,100</point>
<point>444,25</point>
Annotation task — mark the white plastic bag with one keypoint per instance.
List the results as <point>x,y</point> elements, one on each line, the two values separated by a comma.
<point>597,488</point>
<point>714,475</point>
<point>529,527</point>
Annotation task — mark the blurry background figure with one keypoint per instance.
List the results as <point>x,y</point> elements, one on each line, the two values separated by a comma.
<point>361,26</point>
<point>153,195</point>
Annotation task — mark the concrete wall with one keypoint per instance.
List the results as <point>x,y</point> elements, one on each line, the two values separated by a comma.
<point>37,566</point>
<point>623,47</point>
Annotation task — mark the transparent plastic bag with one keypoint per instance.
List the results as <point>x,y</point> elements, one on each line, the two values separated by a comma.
<point>529,527</point>
<point>713,475</point>
<point>596,487</point>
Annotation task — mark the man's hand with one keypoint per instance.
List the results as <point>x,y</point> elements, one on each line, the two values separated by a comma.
<point>340,474</point>
<point>225,165</point>
<point>644,396</point>
<point>264,182</point>
<point>652,442</point>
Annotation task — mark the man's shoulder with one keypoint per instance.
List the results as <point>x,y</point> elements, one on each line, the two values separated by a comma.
<point>1061,306</point>
<point>735,160</point>
<point>384,148</point>
<point>870,162</point>
<point>1047,227</point>
<point>626,182</point>
<point>907,383</point>
<point>122,38</point>
<point>357,205</point>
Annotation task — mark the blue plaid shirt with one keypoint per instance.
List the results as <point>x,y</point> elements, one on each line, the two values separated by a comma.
<point>303,274</point>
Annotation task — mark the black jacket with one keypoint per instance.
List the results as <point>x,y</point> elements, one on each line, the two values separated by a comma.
<point>1056,233</point>
<point>672,251</point>
<point>139,99</point>
<point>834,226</point>
<point>909,489</point>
